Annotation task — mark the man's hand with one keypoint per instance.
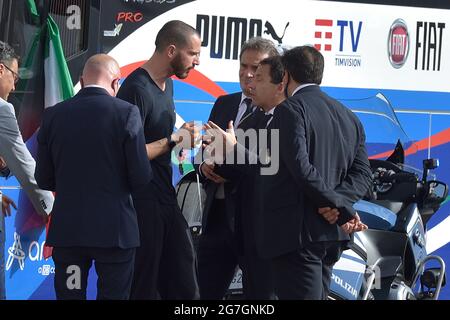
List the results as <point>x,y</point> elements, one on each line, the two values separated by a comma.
<point>6,206</point>
<point>354,225</point>
<point>221,141</point>
<point>208,172</point>
<point>187,135</point>
<point>3,164</point>
<point>4,170</point>
<point>329,214</point>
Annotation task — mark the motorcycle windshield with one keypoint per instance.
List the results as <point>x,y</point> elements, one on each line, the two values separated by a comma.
<point>382,127</point>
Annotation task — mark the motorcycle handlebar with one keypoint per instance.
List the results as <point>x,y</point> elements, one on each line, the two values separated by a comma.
<point>399,177</point>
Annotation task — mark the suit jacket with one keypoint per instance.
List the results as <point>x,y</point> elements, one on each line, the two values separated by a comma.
<point>20,161</point>
<point>322,162</point>
<point>224,110</point>
<point>91,151</point>
<point>247,197</point>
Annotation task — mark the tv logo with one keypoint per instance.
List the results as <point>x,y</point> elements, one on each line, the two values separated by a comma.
<point>349,34</point>
<point>328,35</point>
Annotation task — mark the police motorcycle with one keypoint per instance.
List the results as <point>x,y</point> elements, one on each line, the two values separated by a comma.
<point>388,261</point>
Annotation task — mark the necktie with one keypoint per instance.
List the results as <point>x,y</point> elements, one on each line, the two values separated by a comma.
<point>248,110</point>
<point>248,103</point>
<point>265,120</point>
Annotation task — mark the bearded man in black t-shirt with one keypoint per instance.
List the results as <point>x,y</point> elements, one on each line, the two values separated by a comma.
<point>165,262</point>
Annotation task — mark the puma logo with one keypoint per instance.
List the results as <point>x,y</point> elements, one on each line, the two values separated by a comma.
<point>271,31</point>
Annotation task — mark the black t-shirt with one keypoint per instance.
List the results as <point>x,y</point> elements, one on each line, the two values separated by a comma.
<point>158,119</point>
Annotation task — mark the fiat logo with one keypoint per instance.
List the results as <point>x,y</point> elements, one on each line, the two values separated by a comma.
<point>398,43</point>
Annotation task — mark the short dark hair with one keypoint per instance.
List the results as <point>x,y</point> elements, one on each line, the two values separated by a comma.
<point>174,32</point>
<point>261,45</point>
<point>305,64</point>
<point>7,53</point>
<point>276,68</point>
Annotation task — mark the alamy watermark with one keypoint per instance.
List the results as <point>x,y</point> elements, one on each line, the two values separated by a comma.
<point>74,19</point>
<point>252,147</point>
<point>73,281</point>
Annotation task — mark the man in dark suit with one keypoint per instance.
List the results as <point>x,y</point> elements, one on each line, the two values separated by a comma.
<point>92,154</point>
<point>323,143</point>
<point>323,169</point>
<point>220,248</point>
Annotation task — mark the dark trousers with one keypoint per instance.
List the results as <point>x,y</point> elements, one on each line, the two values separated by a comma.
<point>305,274</point>
<point>219,256</point>
<point>114,267</point>
<point>165,264</point>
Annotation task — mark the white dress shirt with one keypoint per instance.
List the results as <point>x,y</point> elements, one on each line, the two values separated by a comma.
<point>271,111</point>
<point>241,111</point>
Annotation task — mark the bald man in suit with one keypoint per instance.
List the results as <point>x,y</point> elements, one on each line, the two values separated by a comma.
<point>92,154</point>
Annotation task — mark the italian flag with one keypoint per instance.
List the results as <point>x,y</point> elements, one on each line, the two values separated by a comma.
<point>58,84</point>
<point>46,57</point>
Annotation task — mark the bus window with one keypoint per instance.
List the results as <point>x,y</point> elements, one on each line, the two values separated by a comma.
<point>21,26</point>
<point>4,21</point>
<point>21,30</point>
<point>72,18</point>
<point>1,10</point>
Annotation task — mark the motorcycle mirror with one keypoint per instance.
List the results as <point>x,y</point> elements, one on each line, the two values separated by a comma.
<point>429,164</point>
<point>437,192</point>
<point>430,278</point>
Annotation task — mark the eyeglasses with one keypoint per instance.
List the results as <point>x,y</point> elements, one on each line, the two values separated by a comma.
<point>15,74</point>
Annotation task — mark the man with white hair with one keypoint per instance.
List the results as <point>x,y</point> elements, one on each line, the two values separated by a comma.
<point>13,152</point>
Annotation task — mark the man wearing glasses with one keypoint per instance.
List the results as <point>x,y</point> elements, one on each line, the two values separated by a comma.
<point>14,73</point>
<point>14,151</point>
